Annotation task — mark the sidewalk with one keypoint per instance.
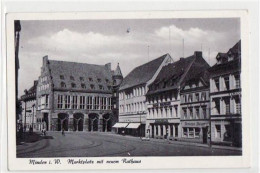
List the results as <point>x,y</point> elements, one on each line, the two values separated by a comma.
<point>183,143</point>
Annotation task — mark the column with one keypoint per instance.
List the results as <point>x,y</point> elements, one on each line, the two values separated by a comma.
<point>169,130</point>
<point>154,130</point>
<point>164,130</point>
<point>159,130</point>
<point>173,133</point>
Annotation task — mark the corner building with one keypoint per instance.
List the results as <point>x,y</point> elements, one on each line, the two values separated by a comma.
<point>164,99</point>
<point>132,99</point>
<point>75,96</point>
<point>28,101</point>
<point>225,97</point>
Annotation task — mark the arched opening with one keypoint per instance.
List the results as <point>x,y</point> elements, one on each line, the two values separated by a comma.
<point>93,122</point>
<point>107,123</point>
<point>78,121</point>
<point>63,122</point>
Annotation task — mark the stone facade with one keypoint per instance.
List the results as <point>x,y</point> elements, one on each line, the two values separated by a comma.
<point>73,99</point>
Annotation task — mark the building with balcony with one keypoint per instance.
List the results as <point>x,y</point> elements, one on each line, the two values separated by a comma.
<point>75,96</point>
<point>132,99</point>
<point>28,100</point>
<point>225,98</point>
<point>164,99</point>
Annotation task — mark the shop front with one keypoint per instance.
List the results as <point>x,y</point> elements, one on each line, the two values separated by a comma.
<point>195,131</point>
<point>164,129</point>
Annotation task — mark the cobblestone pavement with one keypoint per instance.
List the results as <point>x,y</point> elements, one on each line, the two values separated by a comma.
<point>96,144</point>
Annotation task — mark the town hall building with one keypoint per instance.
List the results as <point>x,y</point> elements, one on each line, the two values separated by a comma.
<point>76,96</point>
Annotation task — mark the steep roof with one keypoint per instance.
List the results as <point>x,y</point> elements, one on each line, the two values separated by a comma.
<point>175,74</point>
<point>236,48</point>
<point>101,75</point>
<point>117,72</point>
<point>142,74</point>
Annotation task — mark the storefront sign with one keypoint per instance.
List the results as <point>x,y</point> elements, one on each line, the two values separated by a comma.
<point>161,121</point>
<point>195,124</point>
<point>156,105</point>
<point>235,93</point>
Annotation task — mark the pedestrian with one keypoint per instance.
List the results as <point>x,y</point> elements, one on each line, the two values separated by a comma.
<point>63,132</point>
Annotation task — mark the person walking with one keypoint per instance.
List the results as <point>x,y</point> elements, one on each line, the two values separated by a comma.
<point>63,132</point>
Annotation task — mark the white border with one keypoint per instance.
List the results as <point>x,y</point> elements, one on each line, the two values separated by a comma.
<point>165,7</point>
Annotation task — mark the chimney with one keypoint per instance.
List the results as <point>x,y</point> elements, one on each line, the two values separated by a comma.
<point>45,59</point>
<point>198,54</point>
<point>181,58</point>
<point>108,66</point>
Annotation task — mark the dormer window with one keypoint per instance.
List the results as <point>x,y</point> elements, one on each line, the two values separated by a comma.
<point>81,78</point>
<point>71,78</point>
<point>90,79</point>
<point>83,86</point>
<point>92,86</point>
<point>62,85</point>
<point>73,85</point>
<point>61,77</point>
<point>99,80</point>
<point>101,87</point>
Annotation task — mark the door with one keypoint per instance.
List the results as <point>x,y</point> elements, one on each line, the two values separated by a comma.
<point>204,134</point>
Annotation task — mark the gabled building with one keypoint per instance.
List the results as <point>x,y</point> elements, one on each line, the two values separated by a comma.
<point>225,97</point>
<point>195,106</point>
<point>28,101</point>
<point>132,99</point>
<point>164,99</point>
<point>75,96</point>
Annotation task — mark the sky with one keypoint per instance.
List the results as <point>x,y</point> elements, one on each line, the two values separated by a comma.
<point>107,41</point>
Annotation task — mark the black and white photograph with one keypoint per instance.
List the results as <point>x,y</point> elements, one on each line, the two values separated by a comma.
<point>131,87</point>
<point>128,90</point>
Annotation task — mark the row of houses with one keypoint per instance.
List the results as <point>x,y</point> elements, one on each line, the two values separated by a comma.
<point>182,100</point>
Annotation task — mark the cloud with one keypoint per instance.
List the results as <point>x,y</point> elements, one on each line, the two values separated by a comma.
<point>129,49</point>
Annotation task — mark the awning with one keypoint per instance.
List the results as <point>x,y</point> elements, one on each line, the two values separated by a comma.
<point>133,126</point>
<point>120,125</point>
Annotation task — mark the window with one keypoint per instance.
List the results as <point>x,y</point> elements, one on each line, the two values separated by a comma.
<point>226,79</point>
<point>109,87</point>
<point>89,104</point>
<point>61,77</point>
<point>176,110</point>
<point>82,102</point>
<point>190,98</point>
<point>227,103</point>
<point>60,101</point>
<point>227,134</point>
<point>203,96</point>
<point>185,98</point>
<point>237,79</point>
<point>101,87</point>
<point>83,86</point>
<point>185,132</point>
<point>197,112</point>
<point>217,131</point>
<point>47,101</point>
<point>105,103</point>
<point>67,101</point>
<point>185,113</point>
<point>92,86</point>
<point>197,132</point>
<point>217,84</point>
<point>73,85</point>
<point>81,78</point>
<point>96,103</point>
<point>238,105</point>
<point>107,81</point>
<point>90,79</point>
<point>62,85</point>
<point>191,113</point>
<point>99,80</point>
<point>204,112</point>
<point>109,104</point>
<point>191,132</point>
<point>71,78</point>
<point>197,95</point>
<point>217,106</point>
<point>74,102</point>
